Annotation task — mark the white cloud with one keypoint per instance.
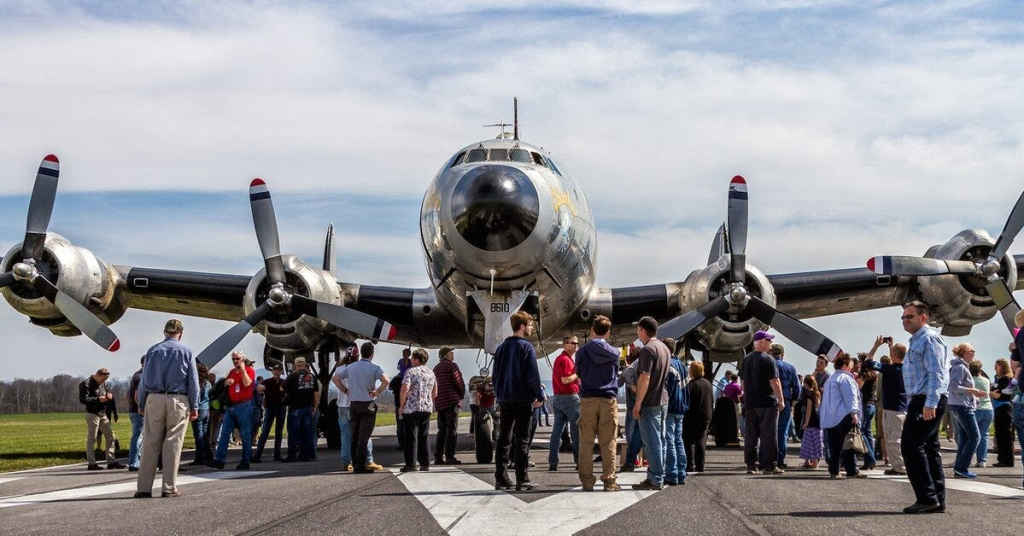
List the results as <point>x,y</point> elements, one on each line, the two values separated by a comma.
<point>861,128</point>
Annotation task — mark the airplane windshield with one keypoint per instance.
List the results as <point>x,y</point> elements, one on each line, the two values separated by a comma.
<point>521,155</point>
<point>477,155</point>
<point>499,154</point>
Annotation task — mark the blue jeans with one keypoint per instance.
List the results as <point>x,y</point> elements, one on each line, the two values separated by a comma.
<point>785,419</point>
<point>567,409</point>
<point>345,425</point>
<point>652,431</point>
<point>1018,423</point>
<point>201,433</point>
<point>633,440</point>
<point>967,436</point>
<point>867,418</point>
<point>314,435</point>
<point>984,418</point>
<point>240,416</point>
<point>299,421</point>
<point>135,446</point>
<point>273,416</point>
<point>675,451</point>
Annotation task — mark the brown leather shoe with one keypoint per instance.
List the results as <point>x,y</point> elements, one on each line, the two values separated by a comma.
<point>612,487</point>
<point>175,493</point>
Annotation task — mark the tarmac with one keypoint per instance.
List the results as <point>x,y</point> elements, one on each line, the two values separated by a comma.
<point>317,497</point>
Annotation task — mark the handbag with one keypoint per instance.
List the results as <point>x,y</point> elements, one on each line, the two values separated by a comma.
<point>854,441</point>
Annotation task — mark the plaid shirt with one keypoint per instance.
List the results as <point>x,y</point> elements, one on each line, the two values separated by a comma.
<point>450,387</point>
<point>926,368</point>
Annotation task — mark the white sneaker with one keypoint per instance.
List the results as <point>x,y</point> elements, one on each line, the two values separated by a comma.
<point>980,464</point>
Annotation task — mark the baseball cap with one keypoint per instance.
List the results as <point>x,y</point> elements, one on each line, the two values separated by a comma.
<point>299,361</point>
<point>762,334</point>
<point>649,324</point>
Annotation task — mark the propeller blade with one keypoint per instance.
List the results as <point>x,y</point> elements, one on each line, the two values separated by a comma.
<point>215,352</point>
<point>345,318</point>
<point>1010,230</point>
<point>330,263</point>
<point>40,207</point>
<point>899,265</point>
<point>803,335</point>
<point>680,326</point>
<point>265,222</point>
<point>719,246</point>
<point>78,315</point>
<point>738,228</point>
<point>6,279</point>
<point>1003,298</point>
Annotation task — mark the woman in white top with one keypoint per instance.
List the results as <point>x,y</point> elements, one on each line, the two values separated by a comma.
<point>416,403</point>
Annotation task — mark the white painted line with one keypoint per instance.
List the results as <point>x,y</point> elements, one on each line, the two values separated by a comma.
<point>122,487</point>
<point>4,480</point>
<point>465,505</point>
<point>973,486</point>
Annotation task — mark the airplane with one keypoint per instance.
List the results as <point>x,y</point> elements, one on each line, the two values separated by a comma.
<point>503,228</point>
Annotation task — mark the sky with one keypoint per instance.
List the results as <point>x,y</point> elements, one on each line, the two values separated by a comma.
<point>863,128</point>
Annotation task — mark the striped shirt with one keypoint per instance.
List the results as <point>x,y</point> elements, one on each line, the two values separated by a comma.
<point>926,367</point>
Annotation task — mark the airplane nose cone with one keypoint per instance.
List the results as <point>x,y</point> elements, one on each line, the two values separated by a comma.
<point>495,208</point>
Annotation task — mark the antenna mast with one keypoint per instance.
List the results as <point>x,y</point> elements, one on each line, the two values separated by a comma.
<point>515,118</point>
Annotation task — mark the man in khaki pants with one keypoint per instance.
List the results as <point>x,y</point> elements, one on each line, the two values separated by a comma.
<point>168,399</point>
<point>94,395</point>
<point>597,365</point>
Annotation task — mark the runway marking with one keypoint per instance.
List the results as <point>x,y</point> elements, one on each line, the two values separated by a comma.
<point>973,486</point>
<point>123,487</point>
<point>465,505</point>
<point>4,480</point>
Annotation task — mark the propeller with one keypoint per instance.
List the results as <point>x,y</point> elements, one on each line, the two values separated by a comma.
<point>40,208</point>
<point>738,297</point>
<point>719,246</point>
<point>280,297</point>
<point>989,268</point>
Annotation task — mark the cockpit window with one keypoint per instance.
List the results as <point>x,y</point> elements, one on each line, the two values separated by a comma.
<point>538,159</point>
<point>498,154</point>
<point>457,160</point>
<point>520,155</point>
<point>476,155</point>
<point>551,164</point>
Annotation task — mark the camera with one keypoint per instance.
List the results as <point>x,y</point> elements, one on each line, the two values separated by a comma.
<point>887,339</point>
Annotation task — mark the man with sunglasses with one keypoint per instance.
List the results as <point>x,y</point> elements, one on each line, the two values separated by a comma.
<point>926,377</point>
<point>94,395</point>
<point>565,401</point>
<point>240,384</point>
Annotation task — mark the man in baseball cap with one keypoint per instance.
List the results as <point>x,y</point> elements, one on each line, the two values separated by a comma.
<point>762,401</point>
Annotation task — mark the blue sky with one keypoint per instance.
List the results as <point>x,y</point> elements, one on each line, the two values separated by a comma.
<point>863,128</point>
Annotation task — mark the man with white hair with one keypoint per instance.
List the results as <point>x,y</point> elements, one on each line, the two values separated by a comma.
<point>238,413</point>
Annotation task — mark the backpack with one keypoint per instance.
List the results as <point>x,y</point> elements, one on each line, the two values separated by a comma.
<point>218,396</point>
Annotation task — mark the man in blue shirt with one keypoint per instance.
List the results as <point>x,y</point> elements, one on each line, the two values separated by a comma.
<point>926,378</point>
<point>790,394</point>
<point>168,400</point>
<point>517,386</point>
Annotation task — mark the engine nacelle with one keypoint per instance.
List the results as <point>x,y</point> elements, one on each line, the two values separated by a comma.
<point>731,330</point>
<point>78,273</point>
<point>961,301</point>
<point>292,332</point>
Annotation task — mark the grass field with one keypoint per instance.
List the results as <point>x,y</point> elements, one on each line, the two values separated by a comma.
<point>46,439</point>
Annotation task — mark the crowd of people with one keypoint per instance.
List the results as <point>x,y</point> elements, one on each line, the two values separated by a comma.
<point>884,410</point>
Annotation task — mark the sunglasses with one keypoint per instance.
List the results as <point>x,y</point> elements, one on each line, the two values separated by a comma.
<point>236,358</point>
<point>573,343</point>
<point>907,317</point>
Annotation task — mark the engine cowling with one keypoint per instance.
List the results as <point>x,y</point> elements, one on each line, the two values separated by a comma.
<point>961,301</point>
<point>292,332</point>
<point>77,272</point>
<point>730,331</point>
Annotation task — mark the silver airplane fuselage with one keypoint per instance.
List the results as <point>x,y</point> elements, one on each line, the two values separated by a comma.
<point>503,216</point>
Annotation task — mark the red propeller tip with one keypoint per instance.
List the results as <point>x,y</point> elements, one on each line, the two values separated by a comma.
<point>115,346</point>
<point>52,158</point>
<point>738,179</point>
<point>392,333</point>
<point>256,182</point>
<point>871,264</point>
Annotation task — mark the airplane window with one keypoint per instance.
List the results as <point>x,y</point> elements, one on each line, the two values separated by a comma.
<point>538,159</point>
<point>520,155</point>
<point>551,164</point>
<point>499,155</point>
<point>477,155</point>
<point>457,160</point>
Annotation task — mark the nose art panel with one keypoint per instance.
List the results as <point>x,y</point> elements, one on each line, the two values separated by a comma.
<point>495,208</point>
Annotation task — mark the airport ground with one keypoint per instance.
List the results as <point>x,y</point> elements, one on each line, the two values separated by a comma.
<point>297,498</point>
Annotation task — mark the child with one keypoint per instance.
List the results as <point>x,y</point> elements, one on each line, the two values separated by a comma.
<point>810,445</point>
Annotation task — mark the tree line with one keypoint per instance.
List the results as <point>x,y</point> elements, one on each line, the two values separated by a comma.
<point>58,394</point>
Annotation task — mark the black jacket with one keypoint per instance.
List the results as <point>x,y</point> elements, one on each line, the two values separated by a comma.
<point>89,393</point>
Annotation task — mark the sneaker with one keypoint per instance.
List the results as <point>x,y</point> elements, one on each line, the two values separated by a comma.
<point>964,474</point>
<point>647,485</point>
<point>612,487</point>
<point>526,486</point>
<point>837,477</point>
<point>94,467</point>
<point>981,465</point>
<point>861,474</point>
<point>175,493</point>
<point>775,471</point>
<point>407,469</point>
<point>143,495</point>
<point>893,472</point>
<point>132,469</point>
<point>348,468</point>
<point>553,467</point>
<point>453,461</point>
<point>502,486</point>
<point>424,468</point>
<point>115,465</point>
<point>628,468</point>
<point>375,466</point>
<point>751,471</point>
<point>918,508</point>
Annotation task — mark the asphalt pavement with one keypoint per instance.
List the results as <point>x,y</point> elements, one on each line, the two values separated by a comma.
<point>317,496</point>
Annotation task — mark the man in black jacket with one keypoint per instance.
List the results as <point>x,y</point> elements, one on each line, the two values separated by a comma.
<point>93,394</point>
